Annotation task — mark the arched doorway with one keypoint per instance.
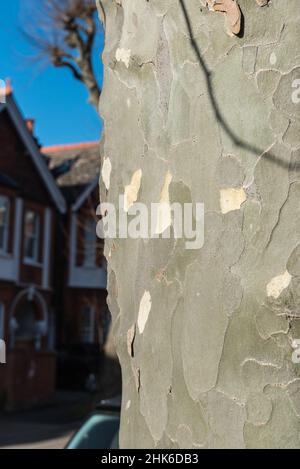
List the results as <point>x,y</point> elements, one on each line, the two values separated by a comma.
<point>28,319</point>
<point>32,365</point>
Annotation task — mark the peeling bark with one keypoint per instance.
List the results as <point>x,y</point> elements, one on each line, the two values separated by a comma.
<point>206,338</point>
<point>232,12</point>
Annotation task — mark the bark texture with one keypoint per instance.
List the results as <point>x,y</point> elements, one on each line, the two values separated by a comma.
<point>193,113</point>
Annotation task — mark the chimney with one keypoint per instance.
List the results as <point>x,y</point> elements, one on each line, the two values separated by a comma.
<point>5,90</point>
<point>8,86</point>
<point>30,125</point>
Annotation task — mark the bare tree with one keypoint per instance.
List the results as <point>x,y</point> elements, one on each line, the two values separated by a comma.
<point>64,31</point>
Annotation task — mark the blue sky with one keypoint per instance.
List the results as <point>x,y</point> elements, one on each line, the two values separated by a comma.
<point>49,95</point>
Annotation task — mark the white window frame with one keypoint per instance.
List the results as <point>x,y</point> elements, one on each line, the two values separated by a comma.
<point>4,248</point>
<point>35,259</point>
<point>88,333</point>
<point>2,321</point>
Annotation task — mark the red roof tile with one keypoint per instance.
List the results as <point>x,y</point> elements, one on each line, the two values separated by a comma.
<point>68,147</point>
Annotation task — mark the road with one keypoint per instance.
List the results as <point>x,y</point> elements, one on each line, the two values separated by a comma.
<point>49,427</point>
<point>36,436</point>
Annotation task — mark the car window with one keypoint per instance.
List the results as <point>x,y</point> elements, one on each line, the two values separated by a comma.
<point>100,431</point>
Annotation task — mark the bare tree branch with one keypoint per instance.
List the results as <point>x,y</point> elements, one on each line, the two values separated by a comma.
<point>64,31</point>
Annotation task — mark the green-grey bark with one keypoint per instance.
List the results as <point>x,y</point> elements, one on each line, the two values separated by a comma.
<point>218,117</point>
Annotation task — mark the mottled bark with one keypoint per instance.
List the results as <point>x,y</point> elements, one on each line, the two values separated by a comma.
<point>205,338</point>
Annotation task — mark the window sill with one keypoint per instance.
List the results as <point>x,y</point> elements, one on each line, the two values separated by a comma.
<point>89,266</point>
<point>32,263</point>
<point>6,255</point>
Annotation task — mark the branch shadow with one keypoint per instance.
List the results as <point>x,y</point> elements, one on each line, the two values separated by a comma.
<point>216,108</point>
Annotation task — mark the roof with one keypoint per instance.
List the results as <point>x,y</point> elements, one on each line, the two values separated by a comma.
<point>83,163</point>
<point>69,147</point>
<point>33,150</point>
<point>7,89</point>
<point>75,167</point>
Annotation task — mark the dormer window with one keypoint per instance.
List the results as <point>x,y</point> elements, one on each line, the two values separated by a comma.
<point>32,236</point>
<point>90,241</point>
<point>4,224</point>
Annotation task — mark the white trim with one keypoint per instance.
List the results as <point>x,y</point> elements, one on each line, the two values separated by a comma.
<point>2,321</point>
<point>83,277</point>
<point>38,159</point>
<point>88,332</point>
<point>10,263</point>
<point>90,245</point>
<point>7,269</point>
<point>6,201</point>
<point>32,262</point>
<point>47,247</point>
<point>5,255</point>
<point>82,198</point>
<point>18,236</point>
<point>88,278</point>
<point>37,239</point>
<point>31,293</point>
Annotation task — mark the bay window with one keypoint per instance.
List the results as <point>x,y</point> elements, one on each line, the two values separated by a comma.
<point>32,236</point>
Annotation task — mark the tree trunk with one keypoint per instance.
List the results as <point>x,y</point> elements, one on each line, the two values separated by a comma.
<point>206,337</point>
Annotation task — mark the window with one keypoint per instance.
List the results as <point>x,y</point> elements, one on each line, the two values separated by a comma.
<point>25,323</point>
<point>87,325</point>
<point>32,234</point>
<point>4,224</point>
<point>26,326</point>
<point>1,321</point>
<point>90,240</point>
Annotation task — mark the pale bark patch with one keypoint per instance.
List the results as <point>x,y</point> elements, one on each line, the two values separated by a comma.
<point>123,55</point>
<point>232,199</point>
<point>106,172</point>
<point>164,218</point>
<point>144,310</point>
<point>276,286</point>
<point>132,190</point>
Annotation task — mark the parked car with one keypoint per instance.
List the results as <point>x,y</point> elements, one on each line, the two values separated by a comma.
<point>101,428</point>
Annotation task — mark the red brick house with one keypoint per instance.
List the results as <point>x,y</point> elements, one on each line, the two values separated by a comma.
<point>82,313</point>
<point>52,270</point>
<point>30,203</point>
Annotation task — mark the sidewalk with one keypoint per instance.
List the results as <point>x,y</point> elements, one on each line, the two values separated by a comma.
<point>20,435</point>
<point>49,427</point>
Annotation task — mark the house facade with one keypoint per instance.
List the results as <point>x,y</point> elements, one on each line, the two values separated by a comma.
<point>81,303</point>
<point>30,203</point>
<point>53,313</point>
